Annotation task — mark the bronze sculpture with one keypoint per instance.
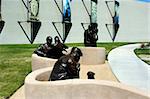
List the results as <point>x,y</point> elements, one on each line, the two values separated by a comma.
<point>90,35</point>
<point>58,48</point>
<point>90,75</point>
<point>44,49</point>
<point>67,66</point>
<point>51,50</point>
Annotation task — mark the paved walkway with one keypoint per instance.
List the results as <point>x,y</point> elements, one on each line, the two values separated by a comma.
<point>19,94</point>
<point>128,68</point>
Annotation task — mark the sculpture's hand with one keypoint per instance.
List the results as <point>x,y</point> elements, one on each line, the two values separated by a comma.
<point>78,66</point>
<point>45,55</point>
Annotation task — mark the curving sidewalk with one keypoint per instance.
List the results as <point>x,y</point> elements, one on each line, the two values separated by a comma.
<point>128,68</point>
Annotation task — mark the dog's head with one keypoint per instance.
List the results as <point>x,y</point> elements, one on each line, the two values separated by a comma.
<point>90,75</point>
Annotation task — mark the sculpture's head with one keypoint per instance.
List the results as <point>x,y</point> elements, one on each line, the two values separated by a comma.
<point>57,40</point>
<point>49,40</point>
<point>94,25</point>
<point>76,53</point>
<point>90,75</point>
<point>90,27</point>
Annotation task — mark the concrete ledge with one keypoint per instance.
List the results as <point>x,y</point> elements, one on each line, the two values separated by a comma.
<point>39,62</point>
<point>37,87</point>
<point>91,56</point>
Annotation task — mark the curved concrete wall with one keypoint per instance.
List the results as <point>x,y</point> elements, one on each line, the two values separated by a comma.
<point>91,56</point>
<point>41,62</point>
<point>37,88</point>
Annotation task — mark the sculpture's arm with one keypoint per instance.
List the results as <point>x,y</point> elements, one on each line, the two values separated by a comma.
<point>40,51</point>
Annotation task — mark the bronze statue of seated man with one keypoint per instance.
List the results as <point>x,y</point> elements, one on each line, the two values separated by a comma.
<point>44,49</point>
<point>58,48</point>
<point>67,66</point>
<point>51,50</point>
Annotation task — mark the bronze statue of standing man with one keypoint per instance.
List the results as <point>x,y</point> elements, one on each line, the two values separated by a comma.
<point>90,35</point>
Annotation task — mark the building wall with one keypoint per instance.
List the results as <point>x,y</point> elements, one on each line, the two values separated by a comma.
<point>149,21</point>
<point>134,21</point>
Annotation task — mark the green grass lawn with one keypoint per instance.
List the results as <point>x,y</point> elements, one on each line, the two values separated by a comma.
<point>143,52</point>
<point>15,64</point>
